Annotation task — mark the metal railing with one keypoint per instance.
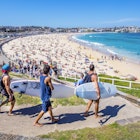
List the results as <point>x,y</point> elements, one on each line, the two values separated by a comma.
<point>121,83</point>
<point>117,82</point>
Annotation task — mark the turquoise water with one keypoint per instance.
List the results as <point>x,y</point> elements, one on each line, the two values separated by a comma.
<point>122,44</point>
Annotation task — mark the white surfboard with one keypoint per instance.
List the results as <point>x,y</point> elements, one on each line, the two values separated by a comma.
<point>32,87</point>
<point>88,91</point>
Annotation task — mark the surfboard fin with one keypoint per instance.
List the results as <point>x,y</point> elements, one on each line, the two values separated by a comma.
<point>22,92</point>
<point>25,83</point>
<point>15,86</point>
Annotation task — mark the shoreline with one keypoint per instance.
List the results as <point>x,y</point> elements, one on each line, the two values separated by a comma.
<point>125,64</point>
<point>107,51</point>
<point>70,55</point>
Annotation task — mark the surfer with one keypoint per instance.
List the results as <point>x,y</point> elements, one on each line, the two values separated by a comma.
<point>46,89</point>
<point>92,77</point>
<point>6,91</point>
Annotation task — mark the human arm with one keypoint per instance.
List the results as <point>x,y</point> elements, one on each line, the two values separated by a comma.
<point>78,83</point>
<point>49,82</point>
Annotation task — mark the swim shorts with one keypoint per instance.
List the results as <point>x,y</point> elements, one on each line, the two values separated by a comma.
<point>46,105</point>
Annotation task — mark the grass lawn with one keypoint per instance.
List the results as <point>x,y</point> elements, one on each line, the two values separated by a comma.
<point>133,92</point>
<point>110,132</point>
<point>26,99</point>
<point>73,100</point>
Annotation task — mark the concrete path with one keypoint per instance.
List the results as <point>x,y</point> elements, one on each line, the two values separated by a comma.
<point>3,58</point>
<point>114,109</point>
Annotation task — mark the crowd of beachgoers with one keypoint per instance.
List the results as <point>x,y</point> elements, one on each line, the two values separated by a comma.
<point>28,54</point>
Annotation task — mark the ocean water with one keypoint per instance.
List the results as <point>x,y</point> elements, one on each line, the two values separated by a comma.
<point>126,45</point>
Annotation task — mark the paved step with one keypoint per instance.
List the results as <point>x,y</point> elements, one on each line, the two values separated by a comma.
<point>128,120</point>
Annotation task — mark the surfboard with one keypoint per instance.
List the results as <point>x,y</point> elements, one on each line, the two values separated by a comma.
<point>32,87</point>
<point>88,91</point>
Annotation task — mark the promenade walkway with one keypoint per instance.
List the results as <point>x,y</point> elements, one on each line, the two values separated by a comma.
<point>114,109</point>
<point>3,58</point>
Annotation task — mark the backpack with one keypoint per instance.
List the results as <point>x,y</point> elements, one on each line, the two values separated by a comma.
<point>1,84</point>
<point>87,78</point>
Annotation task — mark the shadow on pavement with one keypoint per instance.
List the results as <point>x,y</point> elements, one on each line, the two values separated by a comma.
<point>32,111</point>
<point>109,112</point>
<point>68,118</point>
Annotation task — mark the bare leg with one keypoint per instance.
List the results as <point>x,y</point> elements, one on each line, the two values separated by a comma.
<point>3,103</point>
<point>11,108</point>
<point>88,107</point>
<point>51,114</point>
<point>36,123</point>
<point>97,109</point>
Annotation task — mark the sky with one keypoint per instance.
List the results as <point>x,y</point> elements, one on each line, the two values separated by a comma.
<point>70,13</point>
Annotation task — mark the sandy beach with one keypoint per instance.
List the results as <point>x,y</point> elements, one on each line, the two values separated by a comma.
<point>71,56</point>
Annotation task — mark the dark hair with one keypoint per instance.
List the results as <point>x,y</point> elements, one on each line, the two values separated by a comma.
<point>91,67</point>
<point>46,69</point>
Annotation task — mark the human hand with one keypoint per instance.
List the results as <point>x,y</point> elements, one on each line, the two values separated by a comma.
<point>10,97</point>
<point>98,97</point>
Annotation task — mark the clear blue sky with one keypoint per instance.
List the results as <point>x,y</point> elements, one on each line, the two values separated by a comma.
<point>70,13</point>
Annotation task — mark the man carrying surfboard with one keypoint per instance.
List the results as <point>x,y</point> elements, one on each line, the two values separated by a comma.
<point>6,91</point>
<point>92,77</point>
<point>46,90</point>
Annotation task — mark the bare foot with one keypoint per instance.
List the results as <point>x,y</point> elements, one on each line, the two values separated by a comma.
<point>86,114</point>
<point>11,114</point>
<point>55,120</point>
<point>38,124</point>
<point>98,116</point>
